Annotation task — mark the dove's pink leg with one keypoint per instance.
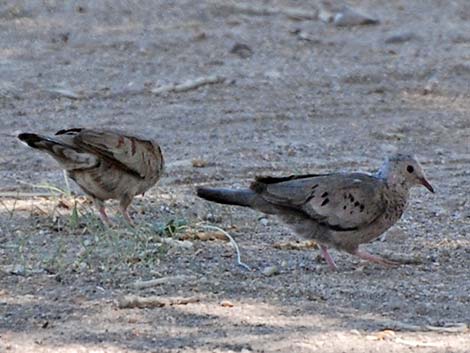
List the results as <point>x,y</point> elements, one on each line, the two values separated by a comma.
<point>102,212</point>
<point>127,217</point>
<point>123,205</point>
<point>329,260</point>
<point>374,258</point>
<point>103,216</point>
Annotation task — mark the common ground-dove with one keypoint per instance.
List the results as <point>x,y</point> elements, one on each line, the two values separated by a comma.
<point>105,164</point>
<point>339,210</point>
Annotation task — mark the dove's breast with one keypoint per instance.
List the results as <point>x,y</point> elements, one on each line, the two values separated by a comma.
<point>395,206</point>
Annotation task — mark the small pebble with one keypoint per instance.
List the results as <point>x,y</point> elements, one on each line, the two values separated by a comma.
<point>270,271</point>
<point>400,38</point>
<point>199,163</point>
<point>226,304</point>
<point>351,17</point>
<point>242,50</point>
<point>264,221</point>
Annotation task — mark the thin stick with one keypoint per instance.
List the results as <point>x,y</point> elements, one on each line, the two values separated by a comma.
<point>403,326</point>
<point>170,280</point>
<point>43,186</point>
<point>64,92</point>
<point>27,195</point>
<point>232,241</point>
<point>134,301</point>
<point>292,12</point>
<point>188,85</point>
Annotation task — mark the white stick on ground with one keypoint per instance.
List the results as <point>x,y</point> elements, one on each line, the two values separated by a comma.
<point>232,241</point>
<point>188,85</point>
<point>64,92</point>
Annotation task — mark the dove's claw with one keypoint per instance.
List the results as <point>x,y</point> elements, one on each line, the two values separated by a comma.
<point>375,259</point>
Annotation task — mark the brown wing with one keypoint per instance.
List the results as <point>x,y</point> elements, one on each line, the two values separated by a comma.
<point>138,156</point>
<point>339,201</point>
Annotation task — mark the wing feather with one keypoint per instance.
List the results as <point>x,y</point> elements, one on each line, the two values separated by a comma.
<point>138,156</point>
<point>339,201</point>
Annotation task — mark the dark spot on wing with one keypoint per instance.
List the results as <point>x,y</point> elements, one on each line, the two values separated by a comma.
<point>325,194</point>
<point>325,201</point>
<point>133,147</point>
<point>312,196</point>
<point>120,141</point>
<point>362,208</point>
<point>356,204</point>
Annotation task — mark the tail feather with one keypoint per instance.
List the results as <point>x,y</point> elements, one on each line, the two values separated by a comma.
<point>244,197</point>
<point>68,156</point>
<point>38,141</point>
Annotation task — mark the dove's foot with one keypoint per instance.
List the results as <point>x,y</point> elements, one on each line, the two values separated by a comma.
<point>104,217</point>
<point>123,205</point>
<point>329,260</point>
<point>99,204</point>
<point>375,259</point>
<point>126,216</point>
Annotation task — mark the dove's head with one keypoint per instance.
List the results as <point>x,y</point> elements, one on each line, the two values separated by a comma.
<point>405,171</point>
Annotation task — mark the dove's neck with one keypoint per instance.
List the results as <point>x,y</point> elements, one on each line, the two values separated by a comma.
<point>395,181</point>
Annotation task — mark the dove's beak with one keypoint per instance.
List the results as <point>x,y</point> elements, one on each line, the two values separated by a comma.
<point>426,184</point>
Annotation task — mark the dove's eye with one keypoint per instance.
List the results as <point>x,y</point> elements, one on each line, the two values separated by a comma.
<point>410,169</point>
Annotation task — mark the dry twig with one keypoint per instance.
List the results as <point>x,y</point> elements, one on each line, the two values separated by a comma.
<point>188,85</point>
<point>291,12</point>
<point>64,92</point>
<point>26,195</point>
<point>170,280</point>
<point>403,326</point>
<point>134,301</point>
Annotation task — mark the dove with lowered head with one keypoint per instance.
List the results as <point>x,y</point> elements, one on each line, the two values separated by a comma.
<point>105,164</point>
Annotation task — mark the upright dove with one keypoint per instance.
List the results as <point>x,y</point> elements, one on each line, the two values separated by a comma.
<point>338,210</point>
<point>105,164</point>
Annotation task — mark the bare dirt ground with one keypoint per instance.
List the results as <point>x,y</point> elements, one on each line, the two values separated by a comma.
<point>305,97</point>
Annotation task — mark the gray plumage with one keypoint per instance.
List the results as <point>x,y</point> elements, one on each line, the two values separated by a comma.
<point>105,164</point>
<point>339,210</point>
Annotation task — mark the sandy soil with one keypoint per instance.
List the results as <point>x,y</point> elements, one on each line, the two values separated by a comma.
<point>305,97</point>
